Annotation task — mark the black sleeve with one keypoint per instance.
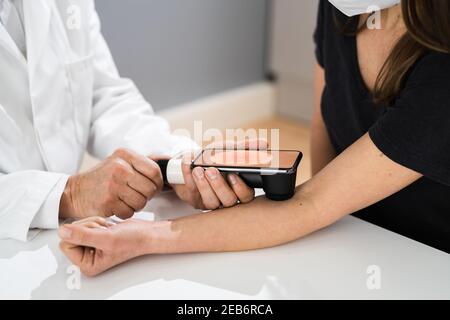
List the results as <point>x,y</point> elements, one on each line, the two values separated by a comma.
<point>319,33</point>
<point>415,130</point>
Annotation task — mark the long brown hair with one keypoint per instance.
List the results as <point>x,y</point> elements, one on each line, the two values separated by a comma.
<point>428,28</point>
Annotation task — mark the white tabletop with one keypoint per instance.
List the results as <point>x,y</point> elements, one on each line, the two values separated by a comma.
<point>330,264</point>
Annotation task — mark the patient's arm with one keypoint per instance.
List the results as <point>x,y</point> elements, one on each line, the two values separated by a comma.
<point>357,178</point>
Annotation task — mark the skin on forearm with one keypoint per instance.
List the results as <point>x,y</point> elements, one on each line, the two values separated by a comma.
<point>256,225</point>
<point>357,178</point>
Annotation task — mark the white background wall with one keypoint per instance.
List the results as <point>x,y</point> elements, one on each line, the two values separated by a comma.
<point>178,51</point>
<point>292,55</point>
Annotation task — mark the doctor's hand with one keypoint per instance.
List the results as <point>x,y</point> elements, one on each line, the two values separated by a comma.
<point>209,189</point>
<point>120,185</point>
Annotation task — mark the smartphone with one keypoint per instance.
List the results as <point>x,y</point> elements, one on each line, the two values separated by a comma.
<point>257,161</point>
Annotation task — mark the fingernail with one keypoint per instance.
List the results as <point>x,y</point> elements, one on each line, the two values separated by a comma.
<point>65,233</point>
<point>199,173</point>
<point>212,174</point>
<point>232,178</point>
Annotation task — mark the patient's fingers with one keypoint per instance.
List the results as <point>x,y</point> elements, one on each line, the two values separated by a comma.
<point>73,252</point>
<point>93,225</point>
<point>84,236</point>
<point>221,188</point>
<point>243,192</point>
<point>209,197</point>
<point>98,220</point>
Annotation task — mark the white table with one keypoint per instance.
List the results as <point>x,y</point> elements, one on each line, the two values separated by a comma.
<point>329,264</point>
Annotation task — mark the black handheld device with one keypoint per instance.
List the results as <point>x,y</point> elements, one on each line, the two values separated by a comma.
<point>275,171</point>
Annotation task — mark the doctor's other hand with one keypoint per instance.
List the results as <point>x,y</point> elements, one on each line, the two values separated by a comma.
<point>95,245</point>
<point>209,189</point>
<point>120,185</point>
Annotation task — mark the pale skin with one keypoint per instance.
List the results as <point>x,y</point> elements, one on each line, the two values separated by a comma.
<point>360,176</point>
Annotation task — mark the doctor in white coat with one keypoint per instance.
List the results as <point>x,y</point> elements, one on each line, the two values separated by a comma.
<point>60,95</point>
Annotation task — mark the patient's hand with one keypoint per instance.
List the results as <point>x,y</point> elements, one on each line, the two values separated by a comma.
<point>119,185</point>
<point>95,245</point>
<point>208,189</point>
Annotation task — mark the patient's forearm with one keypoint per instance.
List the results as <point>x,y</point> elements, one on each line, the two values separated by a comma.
<point>259,224</point>
<point>357,178</point>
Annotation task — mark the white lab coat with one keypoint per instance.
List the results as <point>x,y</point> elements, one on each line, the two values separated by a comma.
<point>66,97</point>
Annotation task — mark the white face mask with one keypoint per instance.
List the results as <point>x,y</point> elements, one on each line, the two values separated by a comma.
<point>356,7</point>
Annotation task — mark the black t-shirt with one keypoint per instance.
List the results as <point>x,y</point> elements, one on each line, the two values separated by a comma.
<point>414,131</point>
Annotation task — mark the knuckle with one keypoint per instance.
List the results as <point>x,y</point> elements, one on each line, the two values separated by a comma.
<point>108,199</point>
<point>247,198</point>
<point>155,172</point>
<point>150,194</point>
<point>197,206</point>
<point>88,272</point>
<point>117,164</point>
<point>120,168</point>
<point>230,202</point>
<point>152,171</point>
<point>99,220</point>
<point>121,152</point>
<point>141,204</point>
<point>62,246</point>
<point>80,236</point>
<point>212,205</point>
<point>152,189</point>
<point>127,214</point>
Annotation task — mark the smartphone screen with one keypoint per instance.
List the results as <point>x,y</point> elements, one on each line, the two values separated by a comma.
<point>255,159</point>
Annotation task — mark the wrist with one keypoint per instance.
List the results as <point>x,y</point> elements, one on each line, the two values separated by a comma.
<point>66,207</point>
<point>158,238</point>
